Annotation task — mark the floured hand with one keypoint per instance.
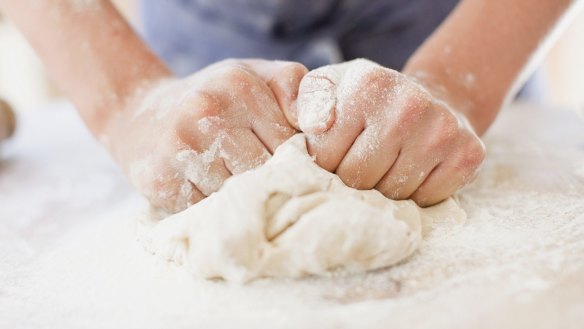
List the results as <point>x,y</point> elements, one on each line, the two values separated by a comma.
<point>378,128</point>
<point>179,140</point>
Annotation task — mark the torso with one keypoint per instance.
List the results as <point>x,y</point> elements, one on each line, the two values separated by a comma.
<point>190,34</point>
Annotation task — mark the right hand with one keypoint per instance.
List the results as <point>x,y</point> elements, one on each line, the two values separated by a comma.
<point>378,128</point>
<point>181,139</point>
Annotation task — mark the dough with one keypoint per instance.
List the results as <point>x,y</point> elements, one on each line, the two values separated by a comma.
<point>290,218</point>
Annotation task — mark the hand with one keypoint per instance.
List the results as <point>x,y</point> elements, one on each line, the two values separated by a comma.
<point>181,139</point>
<point>378,128</point>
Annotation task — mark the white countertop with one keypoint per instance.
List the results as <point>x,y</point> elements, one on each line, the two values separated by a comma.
<point>69,257</point>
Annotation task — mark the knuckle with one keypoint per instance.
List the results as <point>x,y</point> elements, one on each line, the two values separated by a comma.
<point>449,122</point>
<point>167,190</point>
<point>362,62</point>
<point>377,77</point>
<point>363,68</point>
<point>420,198</point>
<point>442,139</point>
<point>295,69</point>
<point>387,192</point>
<point>355,182</point>
<point>476,152</point>
<point>207,105</point>
<point>150,181</point>
<point>473,155</point>
<point>390,188</point>
<point>424,199</point>
<point>413,109</point>
<point>372,87</point>
<point>236,76</point>
<point>205,112</point>
<point>227,61</point>
<point>446,131</point>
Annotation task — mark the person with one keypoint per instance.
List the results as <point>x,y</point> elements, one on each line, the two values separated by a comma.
<point>408,126</point>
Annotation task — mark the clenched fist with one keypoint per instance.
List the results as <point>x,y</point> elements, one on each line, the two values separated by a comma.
<point>180,139</point>
<point>378,128</point>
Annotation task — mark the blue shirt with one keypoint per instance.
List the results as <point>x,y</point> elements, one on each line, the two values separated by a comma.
<point>190,34</point>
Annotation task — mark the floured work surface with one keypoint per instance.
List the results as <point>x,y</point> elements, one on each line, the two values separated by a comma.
<point>69,256</point>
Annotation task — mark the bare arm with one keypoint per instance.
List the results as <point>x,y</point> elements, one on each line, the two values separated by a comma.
<point>484,51</point>
<point>149,120</point>
<point>414,134</point>
<point>90,50</point>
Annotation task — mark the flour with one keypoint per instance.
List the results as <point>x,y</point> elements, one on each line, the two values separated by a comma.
<point>197,166</point>
<point>69,256</point>
<point>580,169</point>
<point>320,91</point>
<point>318,111</point>
<point>469,80</point>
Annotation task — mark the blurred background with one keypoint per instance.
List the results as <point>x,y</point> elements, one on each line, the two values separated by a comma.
<point>24,83</point>
<point>559,82</point>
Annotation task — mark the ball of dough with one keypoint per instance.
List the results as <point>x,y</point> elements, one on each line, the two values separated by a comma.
<point>288,218</point>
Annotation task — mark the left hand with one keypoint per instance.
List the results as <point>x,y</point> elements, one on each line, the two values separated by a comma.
<point>378,128</point>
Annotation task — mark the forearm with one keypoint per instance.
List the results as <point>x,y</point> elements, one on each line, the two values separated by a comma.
<point>484,51</point>
<point>89,50</point>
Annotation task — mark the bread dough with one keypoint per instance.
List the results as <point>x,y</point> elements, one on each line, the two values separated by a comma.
<point>290,218</point>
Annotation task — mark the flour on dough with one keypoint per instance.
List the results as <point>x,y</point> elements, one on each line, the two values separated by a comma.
<point>290,218</point>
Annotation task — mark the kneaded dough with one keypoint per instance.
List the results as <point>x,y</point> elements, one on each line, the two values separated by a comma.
<point>291,218</point>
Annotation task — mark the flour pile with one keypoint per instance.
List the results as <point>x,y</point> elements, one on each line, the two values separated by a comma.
<point>291,218</point>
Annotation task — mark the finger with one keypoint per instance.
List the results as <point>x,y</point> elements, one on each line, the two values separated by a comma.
<point>267,120</point>
<point>255,105</point>
<point>317,102</point>
<point>285,87</point>
<point>195,194</point>
<point>245,151</point>
<point>210,179</point>
<point>459,169</point>
<point>370,157</point>
<point>322,90</point>
<point>406,175</point>
<point>206,168</point>
<point>268,70</point>
<point>334,104</point>
<point>443,182</point>
<point>185,194</point>
<point>171,192</point>
<point>329,136</point>
<point>284,79</point>
<point>330,148</point>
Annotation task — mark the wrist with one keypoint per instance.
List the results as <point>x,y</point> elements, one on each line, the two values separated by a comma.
<point>461,95</point>
<point>133,113</point>
<point>110,103</point>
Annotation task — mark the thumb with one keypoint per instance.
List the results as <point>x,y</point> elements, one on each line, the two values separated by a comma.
<point>317,98</point>
<point>283,78</point>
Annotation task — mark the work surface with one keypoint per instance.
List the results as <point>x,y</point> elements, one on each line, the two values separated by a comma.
<point>69,256</point>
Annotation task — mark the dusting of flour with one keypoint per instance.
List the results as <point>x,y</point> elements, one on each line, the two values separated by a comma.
<point>67,260</point>
<point>291,218</point>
